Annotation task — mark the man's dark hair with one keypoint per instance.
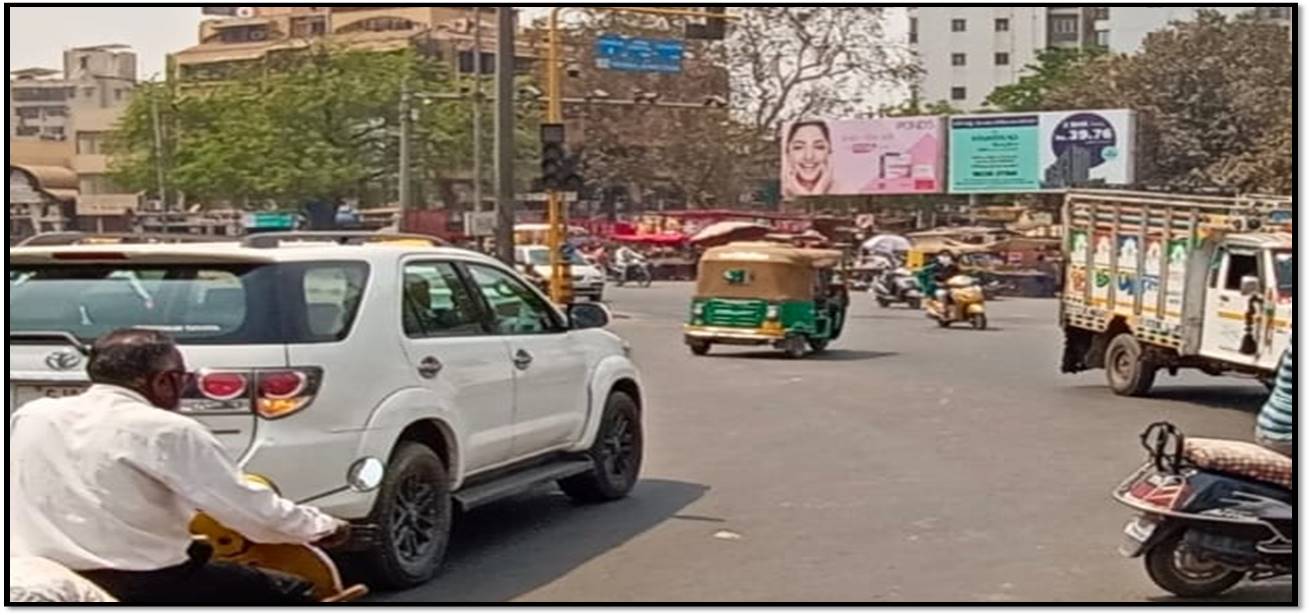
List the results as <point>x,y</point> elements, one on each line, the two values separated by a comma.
<point>127,356</point>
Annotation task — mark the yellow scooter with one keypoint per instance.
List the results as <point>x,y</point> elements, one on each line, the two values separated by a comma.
<point>967,304</point>
<point>305,561</point>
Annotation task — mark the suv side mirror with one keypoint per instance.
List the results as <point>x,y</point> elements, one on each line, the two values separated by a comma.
<point>588,315</point>
<point>1250,285</point>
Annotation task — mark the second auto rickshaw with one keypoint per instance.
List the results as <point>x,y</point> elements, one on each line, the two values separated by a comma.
<point>767,294</point>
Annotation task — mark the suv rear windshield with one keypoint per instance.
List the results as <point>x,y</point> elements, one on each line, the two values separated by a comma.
<point>283,303</point>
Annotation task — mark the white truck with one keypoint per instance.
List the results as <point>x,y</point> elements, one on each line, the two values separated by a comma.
<point>1170,281</point>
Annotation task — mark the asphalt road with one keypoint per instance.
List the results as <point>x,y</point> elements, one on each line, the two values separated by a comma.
<point>909,463</point>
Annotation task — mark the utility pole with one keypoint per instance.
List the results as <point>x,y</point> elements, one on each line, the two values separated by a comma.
<point>404,170</point>
<point>477,109</point>
<point>159,151</point>
<point>505,134</point>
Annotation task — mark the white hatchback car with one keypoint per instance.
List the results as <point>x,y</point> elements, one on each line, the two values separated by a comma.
<point>588,279</point>
<point>315,351</point>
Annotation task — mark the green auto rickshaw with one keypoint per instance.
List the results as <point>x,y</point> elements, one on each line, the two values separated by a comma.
<point>767,294</point>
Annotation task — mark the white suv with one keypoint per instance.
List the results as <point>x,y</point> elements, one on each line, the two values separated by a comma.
<point>313,352</point>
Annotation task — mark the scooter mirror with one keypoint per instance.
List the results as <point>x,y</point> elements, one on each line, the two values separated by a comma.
<point>366,474</point>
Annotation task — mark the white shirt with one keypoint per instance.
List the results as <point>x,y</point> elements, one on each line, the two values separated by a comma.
<point>104,480</point>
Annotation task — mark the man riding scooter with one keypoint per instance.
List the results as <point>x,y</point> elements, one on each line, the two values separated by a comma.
<point>935,275</point>
<point>106,484</point>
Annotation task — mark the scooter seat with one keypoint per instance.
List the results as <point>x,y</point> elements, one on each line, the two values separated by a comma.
<point>1238,458</point>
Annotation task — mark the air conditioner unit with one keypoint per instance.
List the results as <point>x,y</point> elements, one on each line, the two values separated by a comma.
<point>245,11</point>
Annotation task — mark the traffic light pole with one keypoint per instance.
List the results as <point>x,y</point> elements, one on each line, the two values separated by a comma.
<point>561,278</point>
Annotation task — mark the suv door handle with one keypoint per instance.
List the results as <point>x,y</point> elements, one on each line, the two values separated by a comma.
<point>522,359</point>
<point>429,367</point>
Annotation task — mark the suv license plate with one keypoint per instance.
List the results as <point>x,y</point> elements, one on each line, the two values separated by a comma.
<point>24,393</point>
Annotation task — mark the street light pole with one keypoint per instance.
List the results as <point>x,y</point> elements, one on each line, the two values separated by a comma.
<point>477,109</point>
<point>159,150</point>
<point>404,179</point>
<point>505,134</point>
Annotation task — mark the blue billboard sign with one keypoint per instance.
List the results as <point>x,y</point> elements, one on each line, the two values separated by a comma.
<point>614,52</point>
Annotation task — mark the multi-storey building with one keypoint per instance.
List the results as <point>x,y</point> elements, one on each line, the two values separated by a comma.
<point>967,52</point>
<point>59,121</point>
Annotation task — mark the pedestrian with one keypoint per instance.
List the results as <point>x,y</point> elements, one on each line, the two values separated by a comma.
<point>106,483</point>
<point>1273,427</point>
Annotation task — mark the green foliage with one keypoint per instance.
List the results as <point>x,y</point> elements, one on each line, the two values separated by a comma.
<point>317,124</point>
<point>1215,99</point>
<point>1055,68</point>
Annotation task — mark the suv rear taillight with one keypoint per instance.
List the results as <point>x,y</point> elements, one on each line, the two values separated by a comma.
<point>270,393</point>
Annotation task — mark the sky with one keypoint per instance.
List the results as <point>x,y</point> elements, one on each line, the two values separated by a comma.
<point>38,36</point>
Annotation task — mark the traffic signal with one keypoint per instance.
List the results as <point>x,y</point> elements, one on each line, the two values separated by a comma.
<point>559,170</point>
<point>714,28</point>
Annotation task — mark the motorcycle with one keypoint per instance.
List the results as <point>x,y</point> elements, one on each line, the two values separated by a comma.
<point>1211,512</point>
<point>635,272</point>
<point>967,303</point>
<point>305,561</point>
<point>897,286</point>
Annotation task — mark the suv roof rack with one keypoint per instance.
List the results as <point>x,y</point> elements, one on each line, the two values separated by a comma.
<point>78,238</point>
<point>348,238</point>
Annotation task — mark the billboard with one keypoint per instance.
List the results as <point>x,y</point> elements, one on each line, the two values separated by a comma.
<point>1032,152</point>
<point>901,155</point>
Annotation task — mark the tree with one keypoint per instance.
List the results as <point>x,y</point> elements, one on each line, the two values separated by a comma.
<point>1215,99</point>
<point>321,124</point>
<point>1055,68</point>
<point>792,62</point>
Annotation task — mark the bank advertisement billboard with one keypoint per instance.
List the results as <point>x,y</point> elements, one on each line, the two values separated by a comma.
<point>1033,152</point>
<point>902,155</point>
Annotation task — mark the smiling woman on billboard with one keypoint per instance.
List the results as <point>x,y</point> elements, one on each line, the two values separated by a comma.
<point>808,155</point>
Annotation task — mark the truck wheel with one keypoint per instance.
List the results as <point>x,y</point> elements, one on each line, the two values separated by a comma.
<point>615,455</point>
<point>413,512</point>
<point>1127,369</point>
<point>1180,572</point>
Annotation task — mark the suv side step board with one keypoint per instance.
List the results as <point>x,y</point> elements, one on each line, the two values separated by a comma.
<point>518,482</point>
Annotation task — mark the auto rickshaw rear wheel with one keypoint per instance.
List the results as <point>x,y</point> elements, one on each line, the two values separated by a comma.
<point>818,345</point>
<point>699,348</point>
<point>794,347</point>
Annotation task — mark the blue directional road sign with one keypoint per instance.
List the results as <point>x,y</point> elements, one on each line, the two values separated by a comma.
<point>614,52</point>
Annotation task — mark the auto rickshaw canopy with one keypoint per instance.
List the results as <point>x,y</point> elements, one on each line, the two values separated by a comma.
<point>761,270</point>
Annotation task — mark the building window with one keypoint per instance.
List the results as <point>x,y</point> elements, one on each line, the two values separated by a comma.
<point>89,92</point>
<point>44,94</point>
<point>118,94</point>
<point>82,62</point>
<point>90,143</point>
<point>466,63</point>
<point>1103,38</point>
<point>27,131</point>
<point>958,25</point>
<point>244,34</point>
<point>914,30</point>
<point>1002,25</point>
<point>380,24</point>
<point>28,113</point>
<point>1064,24</point>
<point>1002,59</point>
<point>957,59</point>
<point>97,184</point>
<point>958,93</point>
<point>55,111</point>
<point>304,27</point>
<point>55,133</point>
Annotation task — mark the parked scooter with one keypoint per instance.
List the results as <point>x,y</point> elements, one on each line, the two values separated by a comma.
<point>1212,512</point>
<point>897,286</point>
<point>638,273</point>
<point>967,304</point>
<point>305,561</point>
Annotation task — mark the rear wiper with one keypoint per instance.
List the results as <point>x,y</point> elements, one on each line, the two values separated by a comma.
<point>63,337</point>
